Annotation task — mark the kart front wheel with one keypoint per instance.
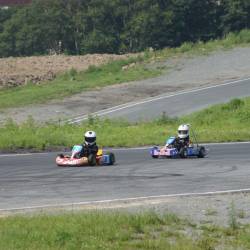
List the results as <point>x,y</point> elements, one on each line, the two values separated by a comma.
<point>183,153</point>
<point>201,153</point>
<point>92,160</point>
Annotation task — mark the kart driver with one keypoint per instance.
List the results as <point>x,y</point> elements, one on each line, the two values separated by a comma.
<point>183,139</point>
<point>89,145</point>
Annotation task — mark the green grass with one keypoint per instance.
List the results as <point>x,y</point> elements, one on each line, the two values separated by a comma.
<point>73,82</point>
<point>230,41</point>
<point>219,123</point>
<point>117,230</point>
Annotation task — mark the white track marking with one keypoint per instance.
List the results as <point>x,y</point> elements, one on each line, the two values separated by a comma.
<point>125,149</point>
<point>204,144</point>
<point>25,154</point>
<point>129,105</point>
<point>125,200</point>
<point>11,155</point>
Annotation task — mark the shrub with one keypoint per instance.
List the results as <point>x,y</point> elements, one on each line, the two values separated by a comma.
<point>233,105</point>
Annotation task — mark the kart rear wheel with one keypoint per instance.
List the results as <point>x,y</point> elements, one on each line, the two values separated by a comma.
<point>183,153</point>
<point>202,152</point>
<point>92,160</point>
<point>111,158</point>
<point>61,155</point>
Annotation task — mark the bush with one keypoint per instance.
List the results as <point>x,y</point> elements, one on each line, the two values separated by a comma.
<point>185,47</point>
<point>233,105</point>
<point>93,68</point>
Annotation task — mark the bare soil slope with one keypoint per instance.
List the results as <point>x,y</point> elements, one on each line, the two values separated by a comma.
<point>19,71</point>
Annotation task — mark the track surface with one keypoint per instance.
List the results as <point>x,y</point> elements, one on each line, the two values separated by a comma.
<point>176,104</point>
<point>33,180</point>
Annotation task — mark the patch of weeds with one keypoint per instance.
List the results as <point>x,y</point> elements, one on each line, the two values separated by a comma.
<point>186,47</point>
<point>211,212</point>
<point>93,69</point>
<point>206,243</point>
<point>191,224</point>
<point>162,67</point>
<point>72,74</point>
<point>205,222</point>
<point>171,233</point>
<point>241,214</point>
<point>233,104</point>
<point>137,224</point>
<point>171,218</point>
<point>165,119</point>
<point>156,219</point>
<point>209,228</point>
<point>69,75</point>
<point>233,223</point>
<point>62,238</point>
<point>91,120</point>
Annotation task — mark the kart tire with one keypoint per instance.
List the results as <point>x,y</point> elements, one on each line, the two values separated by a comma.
<point>155,156</point>
<point>183,153</point>
<point>92,160</point>
<point>201,153</point>
<point>111,158</point>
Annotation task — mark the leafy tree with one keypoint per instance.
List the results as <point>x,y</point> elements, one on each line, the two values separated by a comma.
<point>115,26</point>
<point>235,15</point>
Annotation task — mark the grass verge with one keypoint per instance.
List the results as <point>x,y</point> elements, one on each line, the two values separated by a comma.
<point>73,82</point>
<point>116,230</point>
<point>219,123</point>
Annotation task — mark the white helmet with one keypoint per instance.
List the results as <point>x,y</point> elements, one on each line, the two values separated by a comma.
<point>183,131</point>
<point>90,137</point>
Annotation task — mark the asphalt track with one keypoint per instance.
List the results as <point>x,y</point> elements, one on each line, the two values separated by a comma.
<point>34,179</point>
<point>176,104</point>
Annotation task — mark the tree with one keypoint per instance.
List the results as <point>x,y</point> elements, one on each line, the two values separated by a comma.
<point>235,15</point>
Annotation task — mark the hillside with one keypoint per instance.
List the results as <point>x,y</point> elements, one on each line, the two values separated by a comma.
<point>35,69</point>
<point>182,72</point>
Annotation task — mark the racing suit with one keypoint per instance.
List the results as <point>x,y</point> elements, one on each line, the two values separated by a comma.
<point>88,150</point>
<point>181,143</point>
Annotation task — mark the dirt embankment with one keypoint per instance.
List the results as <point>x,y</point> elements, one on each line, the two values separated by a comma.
<point>35,69</point>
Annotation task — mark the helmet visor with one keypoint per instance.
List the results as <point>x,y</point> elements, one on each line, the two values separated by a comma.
<point>90,140</point>
<point>182,132</point>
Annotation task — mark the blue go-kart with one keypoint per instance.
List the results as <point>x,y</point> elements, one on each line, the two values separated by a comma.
<point>171,151</point>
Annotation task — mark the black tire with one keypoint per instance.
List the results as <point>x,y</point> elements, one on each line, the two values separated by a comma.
<point>92,160</point>
<point>183,153</point>
<point>111,158</point>
<point>155,156</point>
<point>202,152</point>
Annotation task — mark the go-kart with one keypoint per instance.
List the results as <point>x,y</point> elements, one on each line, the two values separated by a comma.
<point>171,151</point>
<point>74,160</point>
